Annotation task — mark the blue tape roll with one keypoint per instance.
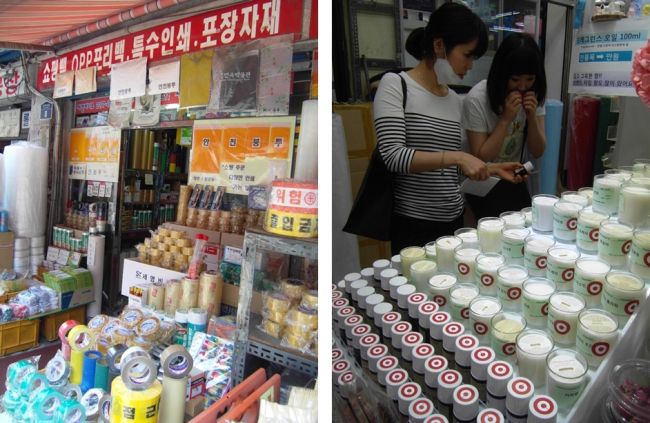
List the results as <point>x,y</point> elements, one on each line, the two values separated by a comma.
<point>45,404</point>
<point>71,411</point>
<point>90,364</point>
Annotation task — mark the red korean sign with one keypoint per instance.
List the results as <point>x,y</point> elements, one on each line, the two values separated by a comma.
<point>103,104</point>
<point>11,83</point>
<point>246,21</point>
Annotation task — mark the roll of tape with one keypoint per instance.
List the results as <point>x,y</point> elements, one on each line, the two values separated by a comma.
<point>11,400</point>
<point>176,362</point>
<point>210,291</point>
<point>184,243</point>
<point>172,402</point>
<point>36,251</point>
<point>299,330</point>
<point>136,358</point>
<point>111,377</point>
<point>18,371</point>
<point>101,374</point>
<point>114,357</point>
<point>174,249</point>
<point>189,293</point>
<point>102,345</point>
<point>77,362</point>
<point>177,234</point>
<point>164,232</point>
<point>21,253</point>
<point>131,318</point>
<point>278,302</point>
<point>310,299</point>
<point>157,296</point>
<point>276,316</point>
<point>187,251</point>
<point>90,401</point>
<point>58,370</point>
<point>32,384</point>
<point>306,229</point>
<point>105,409</point>
<point>296,342</point>
<point>138,341</point>
<point>293,288</point>
<point>21,261</point>
<point>36,260</point>
<point>305,317</point>
<point>38,241</point>
<point>272,328</point>
<point>163,247</point>
<point>97,323</point>
<point>72,391</point>
<point>89,366</point>
<point>172,296</point>
<point>110,328</point>
<point>142,405</point>
<point>81,338</point>
<point>123,336</point>
<point>149,329</point>
<point>21,244</point>
<point>46,403</point>
<point>169,241</point>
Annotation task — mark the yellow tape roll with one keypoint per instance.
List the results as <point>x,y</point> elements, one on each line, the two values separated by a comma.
<point>163,247</point>
<point>296,342</point>
<point>77,364</point>
<point>177,234</point>
<point>310,299</point>
<point>299,330</point>
<point>187,251</point>
<point>278,302</point>
<point>276,316</point>
<point>129,406</point>
<point>183,243</point>
<point>304,316</point>
<point>81,338</point>
<point>272,328</point>
<point>293,288</point>
<point>174,249</point>
<point>164,232</point>
<point>189,293</point>
<point>292,224</point>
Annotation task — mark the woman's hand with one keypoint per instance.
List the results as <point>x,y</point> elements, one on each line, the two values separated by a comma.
<point>473,167</point>
<point>506,171</point>
<point>511,107</point>
<point>530,104</point>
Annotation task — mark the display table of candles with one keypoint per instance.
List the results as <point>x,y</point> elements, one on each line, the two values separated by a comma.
<point>547,291</point>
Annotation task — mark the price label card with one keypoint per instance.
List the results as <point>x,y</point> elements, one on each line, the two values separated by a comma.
<point>64,256</point>
<point>95,189</point>
<point>74,260</point>
<point>148,179</point>
<point>102,189</point>
<point>52,254</point>
<point>77,171</point>
<point>109,189</point>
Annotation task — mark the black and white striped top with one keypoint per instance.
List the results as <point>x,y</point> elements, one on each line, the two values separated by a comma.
<point>429,123</point>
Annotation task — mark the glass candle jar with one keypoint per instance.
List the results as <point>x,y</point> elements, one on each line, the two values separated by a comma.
<point>615,242</point>
<point>621,294</point>
<point>542,218</point>
<point>460,296</point>
<point>481,311</point>
<point>597,334</point>
<point>563,311</point>
<point>535,254</point>
<point>421,271</point>
<point>505,328</point>
<point>465,262</point>
<point>528,212</point>
<point>626,393</point>
<point>489,234</point>
<point>565,377</point>
<point>535,296</point>
<point>588,227</point>
<point>439,286</point>
<point>639,165</point>
<point>640,254</point>
<point>560,267</point>
<point>513,219</point>
<point>622,174</point>
<point>533,346</point>
<point>487,265</point>
<point>634,204</point>
<point>445,247</point>
<point>468,235</point>
<point>589,193</point>
<point>606,193</point>
<point>408,256</point>
<point>565,220</point>
<point>512,245</point>
<point>575,197</point>
<point>431,251</point>
<point>589,279</point>
<point>509,282</point>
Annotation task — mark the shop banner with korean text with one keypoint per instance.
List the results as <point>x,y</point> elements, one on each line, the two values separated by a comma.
<point>239,153</point>
<point>94,154</point>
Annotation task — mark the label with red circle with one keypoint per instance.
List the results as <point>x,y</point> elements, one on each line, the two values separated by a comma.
<point>336,354</point>
<point>618,306</point>
<point>467,342</point>
<point>464,313</point>
<point>410,391</point>
<point>480,328</point>
<point>346,377</point>
<point>390,317</point>
<point>514,293</point>
<point>336,295</point>
<point>540,262</point>
<point>483,355</point>
<point>534,307</point>
<point>586,285</point>
<point>346,311</point>
<point>521,386</point>
<point>413,338</point>
<point>428,307</point>
<point>401,328</point>
<point>500,369</point>
<point>397,376</point>
<point>369,340</point>
<point>360,330</point>
<point>417,298</point>
<point>609,245</point>
<point>387,363</point>
<point>341,366</point>
<point>450,377</point>
<point>440,300</point>
<point>544,406</point>
<point>341,302</point>
<point>423,350</point>
<point>512,247</point>
<point>561,327</point>
<point>353,320</point>
<point>422,407</point>
<point>436,363</point>
<point>378,351</point>
<point>487,279</point>
<point>626,247</point>
<point>440,318</point>
<point>572,224</point>
<point>466,394</point>
<point>436,419</point>
<point>490,416</point>
<point>463,268</point>
<point>639,255</point>
<point>453,329</point>
<point>595,348</point>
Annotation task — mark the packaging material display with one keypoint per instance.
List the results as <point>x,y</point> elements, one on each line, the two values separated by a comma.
<point>210,291</point>
<point>189,293</point>
<point>275,79</point>
<point>213,355</point>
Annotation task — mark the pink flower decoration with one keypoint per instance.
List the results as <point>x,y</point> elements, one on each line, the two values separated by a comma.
<point>640,75</point>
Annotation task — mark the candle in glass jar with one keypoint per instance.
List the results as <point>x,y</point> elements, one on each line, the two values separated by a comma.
<point>560,267</point>
<point>465,262</point>
<point>543,212</point>
<point>597,334</point>
<point>533,346</point>
<point>535,296</point>
<point>505,328</point>
<point>513,219</point>
<point>622,294</point>
<point>535,254</point>
<point>481,311</point>
<point>575,197</point>
<point>408,256</point>
<point>634,204</point>
<point>588,227</point>
<point>489,234</point>
<point>445,247</point>
<point>640,254</point>
<point>615,242</point>
<point>512,245</point>
<point>439,286</point>
<point>421,272</point>
<point>565,376</point>
<point>589,193</point>
<point>589,279</point>
<point>565,220</point>
<point>487,265</point>
<point>563,311</point>
<point>624,175</point>
<point>431,251</point>
<point>509,282</point>
<point>606,193</point>
<point>639,165</point>
<point>528,212</point>
<point>459,298</point>
<point>468,235</point>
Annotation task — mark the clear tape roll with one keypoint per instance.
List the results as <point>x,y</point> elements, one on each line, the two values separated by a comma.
<point>114,357</point>
<point>97,323</point>
<point>105,409</point>
<point>172,296</point>
<point>58,370</point>
<point>189,293</point>
<point>72,391</point>
<point>138,370</point>
<point>46,403</point>
<point>110,328</point>
<point>156,296</point>
<point>176,362</point>
<point>149,329</point>
<point>310,299</point>
<point>272,328</point>
<point>131,318</point>
<point>304,316</point>
<point>276,316</point>
<point>90,401</point>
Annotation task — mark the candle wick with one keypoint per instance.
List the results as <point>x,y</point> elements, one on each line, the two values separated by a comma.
<point>566,369</point>
<point>535,345</point>
<point>563,303</point>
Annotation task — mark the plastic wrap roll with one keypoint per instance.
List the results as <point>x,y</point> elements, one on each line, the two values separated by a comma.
<point>45,404</point>
<point>105,409</point>
<point>25,198</point>
<point>143,404</point>
<point>307,155</point>
<point>172,402</point>
<point>101,374</point>
<point>176,362</point>
<point>172,296</point>
<point>96,243</point>
<point>37,241</point>
<point>189,293</point>
<point>197,321</point>
<point>90,401</point>
<point>210,291</point>
<point>156,295</point>
<point>89,366</point>
<point>310,300</point>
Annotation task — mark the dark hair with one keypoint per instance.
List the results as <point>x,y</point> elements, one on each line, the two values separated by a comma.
<point>414,43</point>
<point>518,54</point>
<point>456,24</point>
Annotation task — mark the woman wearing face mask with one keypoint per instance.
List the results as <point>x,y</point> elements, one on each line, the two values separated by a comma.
<point>496,113</point>
<point>420,141</point>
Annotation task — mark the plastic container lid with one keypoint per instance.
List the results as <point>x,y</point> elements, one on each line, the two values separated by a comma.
<point>389,320</point>
<point>396,263</point>
<point>395,283</point>
<point>450,332</point>
<point>394,380</point>
<point>465,402</point>
<point>520,391</point>
<point>498,375</point>
<point>432,369</point>
<point>420,355</point>
<point>376,353</point>
<point>406,394</point>
<point>425,310</point>
<point>420,409</point>
<point>385,276</point>
<point>378,266</point>
<point>465,344</point>
<point>403,294</point>
<point>490,415</point>
<point>481,359</point>
<point>366,342</point>
<point>398,331</point>
<point>542,408</point>
<point>436,322</point>
<point>385,365</point>
<point>409,342</point>
<point>339,368</point>
<point>448,381</point>
<point>414,301</point>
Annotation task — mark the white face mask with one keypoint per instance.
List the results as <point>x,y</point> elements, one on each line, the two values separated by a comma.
<point>445,73</point>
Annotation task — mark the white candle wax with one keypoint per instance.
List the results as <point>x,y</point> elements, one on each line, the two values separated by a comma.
<point>505,328</point>
<point>588,227</point>
<point>560,267</point>
<point>509,282</point>
<point>624,175</point>
<point>614,243</point>
<point>563,311</point>
<point>565,220</point>
<point>489,234</point>
<point>589,193</point>
<point>533,346</point>
<point>589,279</point>
<point>634,205</point>
<point>421,272</point>
<point>575,197</point>
<point>640,254</point>
<point>535,249</point>
<point>622,294</point>
<point>535,296</point>
<point>606,192</point>
<point>513,220</point>
<point>481,311</point>
<point>639,165</point>
<point>487,266</point>
<point>597,334</point>
<point>643,181</point>
<point>408,256</point>
<point>445,247</point>
<point>512,245</point>
<point>565,377</point>
<point>431,251</point>
<point>439,286</point>
<point>542,218</point>
<point>528,212</point>
<point>459,298</point>
<point>469,236</point>
<point>465,263</point>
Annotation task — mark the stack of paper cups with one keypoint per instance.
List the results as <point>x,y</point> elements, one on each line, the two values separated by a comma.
<point>36,253</point>
<point>21,255</point>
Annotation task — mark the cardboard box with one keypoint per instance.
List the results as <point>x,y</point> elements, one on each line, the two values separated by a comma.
<point>6,250</point>
<point>194,407</point>
<point>195,384</point>
<point>74,298</point>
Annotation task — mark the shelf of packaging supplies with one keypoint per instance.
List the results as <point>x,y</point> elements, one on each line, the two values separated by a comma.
<point>58,310</point>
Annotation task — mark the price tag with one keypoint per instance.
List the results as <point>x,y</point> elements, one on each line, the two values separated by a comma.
<point>95,189</point>
<point>52,254</point>
<point>64,256</point>
<point>109,189</point>
<point>102,189</point>
<point>232,255</point>
<point>89,189</point>
<point>148,179</point>
<point>74,260</point>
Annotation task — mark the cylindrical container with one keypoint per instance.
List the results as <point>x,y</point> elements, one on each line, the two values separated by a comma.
<point>379,311</point>
<point>420,409</point>
<point>393,285</point>
<point>409,256</point>
<point>489,234</point>
<point>385,276</point>
<point>403,294</point>
<point>528,212</point>
<point>397,334</point>
<point>509,283</point>
<point>565,220</point>
<point>338,368</point>
<point>385,365</point>
<point>533,346</point>
<point>451,332</point>
<point>490,415</point>
<point>372,301</point>
<point>425,311</point>
<point>481,359</point>
<point>634,204</point>
<point>421,272</point>
<point>413,303</point>
<point>563,311</point>
<point>505,328</point>
<point>369,274</point>
<point>394,381</point>
<point>487,265</point>
<point>197,321</point>
<point>499,374</point>
<point>378,266</point>
<point>640,254</point>
<point>466,399</point>
<point>468,235</point>
<point>396,263</point>
<point>622,404</point>
<point>481,311</point>
<point>535,295</point>
<point>437,322</point>
<point>606,193</point>
<point>439,286</point>
<point>589,279</point>
<point>542,409</point>
<point>172,296</point>
<point>210,291</point>
<point>465,344</point>
<point>431,251</point>
<point>388,320</point>
<point>375,353</point>
<point>615,242</point>
<point>513,219</point>
<point>156,295</point>
<point>587,192</point>
<point>362,296</point>
<point>597,334</point>
<point>366,343</point>
<point>433,367</point>
<point>358,332</point>
<point>337,305</point>
<point>354,289</point>
<point>349,278</point>
<point>448,381</point>
<point>622,294</point>
<point>445,247</point>
<point>542,212</point>
<point>89,366</point>
<point>575,197</point>
<point>512,245</point>
<point>465,262</point>
<point>189,293</point>
<point>560,267</point>
<point>421,353</point>
<point>520,392</point>
<point>407,393</point>
<point>460,295</point>
<point>565,376</point>
<point>350,323</point>
<point>588,227</point>
<point>535,250</point>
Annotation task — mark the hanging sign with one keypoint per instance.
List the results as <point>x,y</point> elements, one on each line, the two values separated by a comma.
<point>244,21</point>
<point>103,104</point>
<point>11,83</point>
<point>129,79</point>
<point>10,123</point>
<point>164,78</point>
<point>94,154</point>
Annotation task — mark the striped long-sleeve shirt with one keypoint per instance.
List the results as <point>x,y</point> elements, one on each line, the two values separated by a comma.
<point>429,123</point>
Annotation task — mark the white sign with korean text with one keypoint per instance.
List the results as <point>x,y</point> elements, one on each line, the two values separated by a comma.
<point>10,123</point>
<point>77,171</point>
<point>129,79</point>
<point>135,273</point>
<point>164,78</point>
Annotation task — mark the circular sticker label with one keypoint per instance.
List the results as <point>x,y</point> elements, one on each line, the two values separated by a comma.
<point>544,406</point>
<point>567,275</point>
<point>463,268</point>
<point>467,342</point>
<point>464,313</point>
<point>341,365</point>
<point>572,224</point>
<point>453,329</point>
<point>377,350</point>
<point>466,394</point>
<point>627,246</point>
<point>593,234</point>
<point>440,317</point>
<point>436,363</point>
<point>500,370</point>
<point>599,349</point>
<point>422,407</point>
<point>408,390</point>
<point>545,309</point>
<point>450,377</point>
<point>561,327</point>
<point>480,328</point>
<point>595,288</point>
<point>483,354</point>
<point>423,350</point>
<point>398,376</point>
<point>522,387</point>
<point>387,362</point>
<point>541,262</point>
<point>440,300</point>
<point>487,280</point>
<point>514,293</point>
<point>631,307</point>
<point>490,416</point>
<point>509,349</point>
<point>429,307</point>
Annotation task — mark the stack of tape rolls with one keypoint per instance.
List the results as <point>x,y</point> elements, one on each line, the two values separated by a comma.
<point>131,318</point>
<point>31,385</point>
<point>275,313</point>
<point>183,243</point>
<point>90,401</point>
<point>72,391</point>
<point>81,340</point>
<point>123,336</point>
<point>301,324</point>
<point>102,345</point>
<point>89,366</point>
<point>197,321</point>
<point>172,296</point>
<point>58,371</point>
<point>114,359</point>
<point>140,406</point>
<point>45,405</point>
<point>105,409</point>
<point>17,372</point>
<point>11,401</point>
<point>63,335</point>
<point>149,329</point>
<point>310,299</point>
<point>137,368</point>
<point>101,374</point>
<point>292,209</point>
<point>97,323</point>
<point>294,289</point>
<point>189,293</point>
<point>176,363</point>
<point>109,329</point>
<point>138,341</point>
<point>210,290</point>
<point>156,296</point>
<point>164,232</point>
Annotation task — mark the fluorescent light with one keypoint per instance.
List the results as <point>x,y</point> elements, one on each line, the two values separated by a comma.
<point>171,106</point>
<point>502,15</point>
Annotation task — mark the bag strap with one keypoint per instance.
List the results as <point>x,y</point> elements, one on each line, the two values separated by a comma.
<point>403,91</point>
<point>523,146</point>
